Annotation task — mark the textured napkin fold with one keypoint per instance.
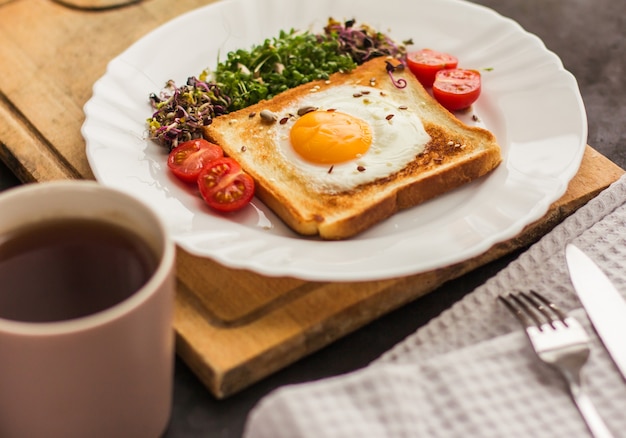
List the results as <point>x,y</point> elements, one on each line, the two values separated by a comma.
<point>471,371</point>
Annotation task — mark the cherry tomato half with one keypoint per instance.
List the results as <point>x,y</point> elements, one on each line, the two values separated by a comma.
<point>189,158</point>
<point>225,186</point>
<point>426,63</point>
<point>456,89</point>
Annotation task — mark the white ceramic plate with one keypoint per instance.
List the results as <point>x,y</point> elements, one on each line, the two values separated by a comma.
<point>529,102</point>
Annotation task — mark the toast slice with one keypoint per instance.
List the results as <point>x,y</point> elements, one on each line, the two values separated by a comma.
<point>450,155</point>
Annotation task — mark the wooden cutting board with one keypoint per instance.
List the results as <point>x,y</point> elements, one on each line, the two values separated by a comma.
<point>233,327</point>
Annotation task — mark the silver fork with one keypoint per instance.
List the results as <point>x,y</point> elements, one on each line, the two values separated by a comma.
<point>560,341</point>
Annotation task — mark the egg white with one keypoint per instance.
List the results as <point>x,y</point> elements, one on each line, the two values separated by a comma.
<point>398,136</point>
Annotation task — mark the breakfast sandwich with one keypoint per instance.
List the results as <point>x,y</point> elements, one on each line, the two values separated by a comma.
<point>334,157</point>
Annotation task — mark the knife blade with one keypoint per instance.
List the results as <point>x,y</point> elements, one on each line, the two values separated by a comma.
<point>604,305</point>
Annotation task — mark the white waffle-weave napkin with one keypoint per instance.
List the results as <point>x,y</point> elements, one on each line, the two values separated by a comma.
<point>471,371</point>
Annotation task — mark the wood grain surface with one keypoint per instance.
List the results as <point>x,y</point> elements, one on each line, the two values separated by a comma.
<point>233,327</point>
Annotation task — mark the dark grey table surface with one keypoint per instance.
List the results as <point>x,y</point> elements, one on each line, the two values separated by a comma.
<point>590,38</point>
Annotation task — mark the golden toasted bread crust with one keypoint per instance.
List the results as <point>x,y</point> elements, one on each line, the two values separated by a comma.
<point>456,154</point>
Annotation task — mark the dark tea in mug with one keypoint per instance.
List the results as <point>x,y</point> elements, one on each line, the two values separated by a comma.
<point>68,268</point>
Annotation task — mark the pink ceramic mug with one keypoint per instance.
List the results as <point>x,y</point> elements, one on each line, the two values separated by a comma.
<point>106,373</point>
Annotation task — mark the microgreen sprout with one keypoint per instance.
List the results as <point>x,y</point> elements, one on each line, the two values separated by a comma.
<point>180,113</point>
<point>401,82</point>
<point>362,42</point>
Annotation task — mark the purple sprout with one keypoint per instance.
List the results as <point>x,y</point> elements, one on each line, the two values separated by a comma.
<point>180,113</point>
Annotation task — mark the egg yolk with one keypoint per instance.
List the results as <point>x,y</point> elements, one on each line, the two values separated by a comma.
<point>330,137</point>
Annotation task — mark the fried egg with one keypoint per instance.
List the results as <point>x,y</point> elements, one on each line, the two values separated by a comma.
<point>347,136</point>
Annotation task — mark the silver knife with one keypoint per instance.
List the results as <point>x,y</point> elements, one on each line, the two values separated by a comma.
<point>603,303</point>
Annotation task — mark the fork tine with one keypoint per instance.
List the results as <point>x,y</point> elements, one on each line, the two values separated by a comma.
<point>533,309</point>
<point>519,309</point>
<point>548,316</point>
<point>561,316</point>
